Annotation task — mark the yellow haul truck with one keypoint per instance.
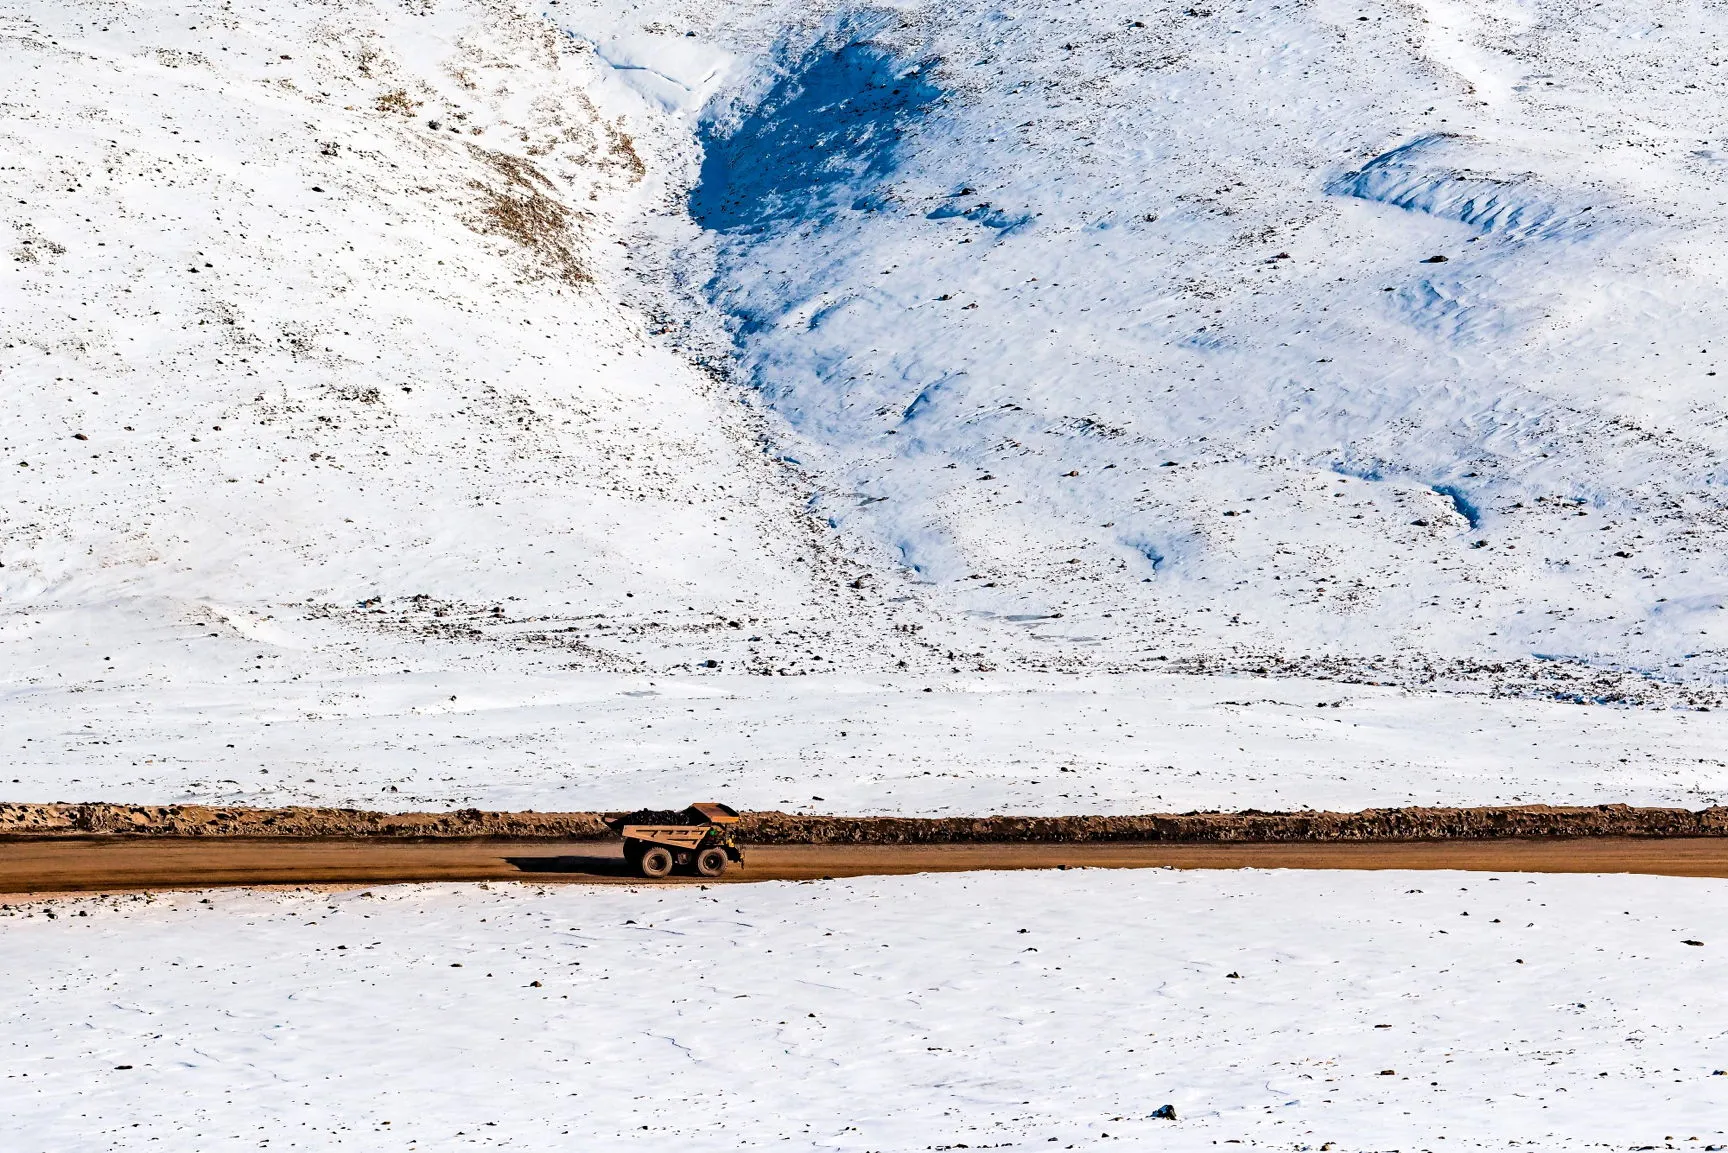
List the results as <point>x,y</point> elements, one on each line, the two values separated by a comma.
<point>697,840</point>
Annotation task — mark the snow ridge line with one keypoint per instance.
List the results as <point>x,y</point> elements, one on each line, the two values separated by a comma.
<point>19,821</point>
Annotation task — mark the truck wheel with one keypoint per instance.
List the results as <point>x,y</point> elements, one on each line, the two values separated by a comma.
<point>710,862</point>
<point>656,861</point>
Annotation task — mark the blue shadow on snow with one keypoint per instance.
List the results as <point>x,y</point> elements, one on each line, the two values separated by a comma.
<point>1466,508</point>
<point>829,127</point>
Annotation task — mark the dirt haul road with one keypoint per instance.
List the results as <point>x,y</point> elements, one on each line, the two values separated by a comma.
<point>66,864</point>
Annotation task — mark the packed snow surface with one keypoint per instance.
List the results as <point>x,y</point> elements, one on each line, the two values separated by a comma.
<point>1294,1011</point>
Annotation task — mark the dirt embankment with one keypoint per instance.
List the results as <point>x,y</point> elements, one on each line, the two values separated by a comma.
<point>774,828</point>
<point>210,821</point>
<point>1413,824</point>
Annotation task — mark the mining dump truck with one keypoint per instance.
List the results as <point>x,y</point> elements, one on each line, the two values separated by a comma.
<point>697,840</point>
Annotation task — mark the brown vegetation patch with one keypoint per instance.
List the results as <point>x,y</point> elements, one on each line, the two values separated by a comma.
<point>526,210</point>
<point>396,103</point>
<point>622,150</point>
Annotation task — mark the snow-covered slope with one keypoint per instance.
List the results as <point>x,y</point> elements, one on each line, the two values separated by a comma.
<point>397,353</point>
<point>1291,328</point>
<point>308,306</point>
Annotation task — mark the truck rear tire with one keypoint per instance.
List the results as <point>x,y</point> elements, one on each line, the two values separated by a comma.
<point>656,862</point>
<point>710,862</point>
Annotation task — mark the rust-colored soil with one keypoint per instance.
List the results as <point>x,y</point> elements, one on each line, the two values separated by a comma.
<point>85,864</point>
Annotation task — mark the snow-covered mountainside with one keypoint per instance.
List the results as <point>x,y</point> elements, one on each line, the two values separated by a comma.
<point>390,349</point>
<point>313,306</point>
<point>1287,328</point>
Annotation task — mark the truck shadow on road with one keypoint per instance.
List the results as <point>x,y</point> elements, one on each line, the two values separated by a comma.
<point>594,865</point>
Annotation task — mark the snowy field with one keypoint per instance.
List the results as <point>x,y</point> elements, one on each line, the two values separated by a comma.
<point>1412,1011</point>
<point>973,744</point>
